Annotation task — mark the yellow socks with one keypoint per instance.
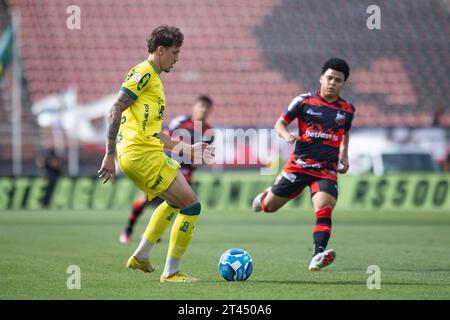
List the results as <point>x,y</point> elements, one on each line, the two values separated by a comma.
<point>160,220</point>
<point>181,235</point>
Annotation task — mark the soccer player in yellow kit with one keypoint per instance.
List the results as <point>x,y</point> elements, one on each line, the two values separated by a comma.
<point>135,126</point>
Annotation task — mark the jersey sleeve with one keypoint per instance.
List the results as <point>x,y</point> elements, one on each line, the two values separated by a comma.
<point>176,123</point>
<point>136,81</point>
<point>348,124</point>
<point>294,109</point>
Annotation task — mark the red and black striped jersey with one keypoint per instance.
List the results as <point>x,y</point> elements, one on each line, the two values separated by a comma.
<point>191,133</point>
<point>321,126</point>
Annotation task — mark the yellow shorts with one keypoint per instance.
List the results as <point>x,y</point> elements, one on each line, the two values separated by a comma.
<point>152,172</point>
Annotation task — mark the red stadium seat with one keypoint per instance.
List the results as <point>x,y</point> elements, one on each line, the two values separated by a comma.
<point>225,55</point>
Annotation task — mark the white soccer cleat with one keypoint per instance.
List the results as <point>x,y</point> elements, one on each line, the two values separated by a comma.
<point>256,205</point>
<point>322,259</point>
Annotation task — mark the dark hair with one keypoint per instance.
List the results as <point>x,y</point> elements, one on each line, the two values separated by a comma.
<point>338,65</point>
<point>206,100</point>
<point>166,36</point>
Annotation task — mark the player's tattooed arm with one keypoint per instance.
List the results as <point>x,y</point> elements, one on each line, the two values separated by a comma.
<point>281,128</point>
<point>123,101</point>
<point>108,169</point>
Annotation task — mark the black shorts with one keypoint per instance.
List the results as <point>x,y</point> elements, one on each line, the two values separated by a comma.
<point>291,184</point>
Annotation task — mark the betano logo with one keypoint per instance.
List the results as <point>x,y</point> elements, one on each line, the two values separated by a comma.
<point>321,135</point>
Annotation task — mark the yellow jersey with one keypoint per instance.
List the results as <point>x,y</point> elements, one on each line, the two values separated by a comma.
<point>142,121</point>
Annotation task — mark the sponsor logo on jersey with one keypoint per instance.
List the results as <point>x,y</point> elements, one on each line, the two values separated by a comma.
<point>146,112</point>
<point>136,77</point>
<point>160,115</point>
<point>143,82</point>
<point>313,113</point>
<point>157,182</point>
<point>321,135</point>
<point>289,176</point>
<point>303,164</point>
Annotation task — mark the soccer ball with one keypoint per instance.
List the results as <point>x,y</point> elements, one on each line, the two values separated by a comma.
<point>235,265</point>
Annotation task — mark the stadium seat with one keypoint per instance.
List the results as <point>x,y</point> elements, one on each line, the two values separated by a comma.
<point>252,56</point>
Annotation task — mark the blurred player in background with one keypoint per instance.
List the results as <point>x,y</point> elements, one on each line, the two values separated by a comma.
<point>321,150</point>
<point>135,126</point>
<point>200,112</point>
<point>52,163</point>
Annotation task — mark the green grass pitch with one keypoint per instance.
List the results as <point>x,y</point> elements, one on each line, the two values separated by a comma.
<point>411,249</point>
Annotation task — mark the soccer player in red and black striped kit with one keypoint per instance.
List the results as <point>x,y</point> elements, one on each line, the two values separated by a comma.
<point>321,151</point>
<point>200,112</point>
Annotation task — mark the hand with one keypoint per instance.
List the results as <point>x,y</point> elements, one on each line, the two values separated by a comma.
<point>202,152</point>
<point>209,153</point>
<point>108,169</point>
<point>291,138</point>
<point>343,164</point>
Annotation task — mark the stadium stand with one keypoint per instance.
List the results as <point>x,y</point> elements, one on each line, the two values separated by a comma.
<point>398,72</point>
<point>251,56</point>
<point>30,130</point>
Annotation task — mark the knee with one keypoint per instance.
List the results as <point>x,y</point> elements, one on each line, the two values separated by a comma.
<point>193,210</point>
<point>186,202</point>
<point>325,204</point>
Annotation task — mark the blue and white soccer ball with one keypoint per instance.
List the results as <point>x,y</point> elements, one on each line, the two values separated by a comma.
<point>235,265</point>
